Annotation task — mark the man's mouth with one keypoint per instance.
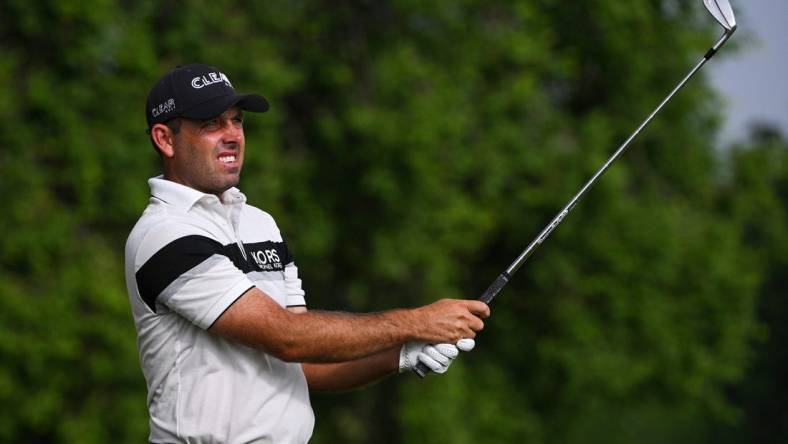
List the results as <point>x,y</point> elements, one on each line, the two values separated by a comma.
<point>227,158</point>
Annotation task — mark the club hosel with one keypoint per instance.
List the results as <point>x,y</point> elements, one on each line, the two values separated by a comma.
<point>713,50</point>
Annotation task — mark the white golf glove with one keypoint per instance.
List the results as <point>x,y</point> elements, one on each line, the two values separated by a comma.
<point>437,357</point>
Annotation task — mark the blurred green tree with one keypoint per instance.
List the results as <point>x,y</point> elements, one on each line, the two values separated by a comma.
<point>756,196</point>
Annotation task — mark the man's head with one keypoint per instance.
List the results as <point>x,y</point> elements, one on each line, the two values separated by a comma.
<point>195,123</point>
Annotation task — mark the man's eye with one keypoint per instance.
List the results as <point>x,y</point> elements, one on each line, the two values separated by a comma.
<point>211,123</point>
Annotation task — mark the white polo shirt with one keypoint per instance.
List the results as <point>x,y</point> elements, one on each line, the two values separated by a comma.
<point>188,258</point>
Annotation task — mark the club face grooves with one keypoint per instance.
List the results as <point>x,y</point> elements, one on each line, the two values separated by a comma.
<point>722,12</point>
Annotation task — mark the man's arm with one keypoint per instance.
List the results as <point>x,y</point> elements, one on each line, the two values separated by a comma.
<point>258,321</point>
<point>351,374</point>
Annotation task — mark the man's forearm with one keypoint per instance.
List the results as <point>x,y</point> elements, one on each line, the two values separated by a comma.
<point>351,374</point>
<point>314,336</point>
<point>317,336</point>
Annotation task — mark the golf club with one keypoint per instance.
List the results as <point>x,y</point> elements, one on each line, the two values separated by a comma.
<point>722,12</point>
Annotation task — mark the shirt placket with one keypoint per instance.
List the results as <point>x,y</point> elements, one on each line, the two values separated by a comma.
<point>232,213</point>
<point>228,223</point>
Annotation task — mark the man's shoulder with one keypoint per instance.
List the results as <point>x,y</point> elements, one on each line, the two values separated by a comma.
<point>156,229</point>
<point>257,215</point>
<point>258,225</point>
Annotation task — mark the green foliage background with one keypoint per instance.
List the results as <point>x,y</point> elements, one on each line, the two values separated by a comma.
<point>411,152</point>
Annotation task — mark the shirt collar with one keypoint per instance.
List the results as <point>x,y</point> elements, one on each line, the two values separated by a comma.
<point>185,197</point>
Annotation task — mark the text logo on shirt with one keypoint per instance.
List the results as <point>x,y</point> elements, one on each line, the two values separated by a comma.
<point>267,260</point>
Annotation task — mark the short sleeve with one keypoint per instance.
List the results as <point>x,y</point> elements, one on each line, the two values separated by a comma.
<point>193,275</point>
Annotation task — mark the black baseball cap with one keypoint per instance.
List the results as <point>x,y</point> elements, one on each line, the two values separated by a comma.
<point>196,91</point>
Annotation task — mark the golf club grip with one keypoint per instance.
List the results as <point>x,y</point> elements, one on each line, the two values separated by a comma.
<point>494,288</point>
<point>421,369</point>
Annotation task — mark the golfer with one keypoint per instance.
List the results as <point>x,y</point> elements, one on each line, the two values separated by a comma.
<point>227,347</point>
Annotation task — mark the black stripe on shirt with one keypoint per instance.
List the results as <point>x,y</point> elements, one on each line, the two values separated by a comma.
<point>237,258</point>
<point>170,262</point>
<point>183,254</point>
<point>268,256</point>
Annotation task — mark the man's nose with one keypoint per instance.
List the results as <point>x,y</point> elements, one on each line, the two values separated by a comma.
<point>232,133</point>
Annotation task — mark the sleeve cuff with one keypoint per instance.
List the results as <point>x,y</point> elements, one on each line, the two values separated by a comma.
<point>296,301</point>
<point>224,302</point>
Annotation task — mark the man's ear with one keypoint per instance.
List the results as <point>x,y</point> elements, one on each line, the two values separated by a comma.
<point>164,139</point>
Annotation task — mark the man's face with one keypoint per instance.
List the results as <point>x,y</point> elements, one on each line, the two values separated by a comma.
<point>209,154</point>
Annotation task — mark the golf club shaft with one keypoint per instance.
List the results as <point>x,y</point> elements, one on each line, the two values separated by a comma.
<point>569,206</point>
<point>504,277</point>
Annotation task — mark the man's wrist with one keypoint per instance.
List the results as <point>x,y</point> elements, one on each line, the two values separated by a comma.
<point>403,324</point>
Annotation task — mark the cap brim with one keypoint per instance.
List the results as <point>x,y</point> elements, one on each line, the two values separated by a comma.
<point>214,107</point>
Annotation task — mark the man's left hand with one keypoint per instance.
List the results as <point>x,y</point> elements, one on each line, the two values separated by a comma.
<point>437,357</point>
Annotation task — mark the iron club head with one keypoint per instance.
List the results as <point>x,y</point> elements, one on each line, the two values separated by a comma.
<point>721,10</point>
